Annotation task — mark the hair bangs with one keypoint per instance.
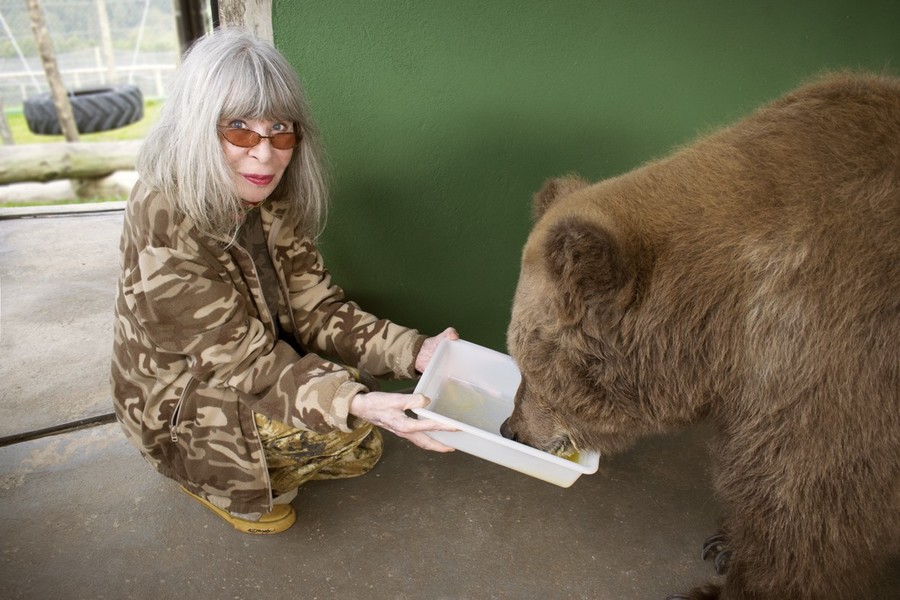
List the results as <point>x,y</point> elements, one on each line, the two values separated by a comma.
<point>262,90</point>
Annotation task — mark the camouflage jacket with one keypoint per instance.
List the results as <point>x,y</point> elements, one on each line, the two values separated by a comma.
<point>196,351</point>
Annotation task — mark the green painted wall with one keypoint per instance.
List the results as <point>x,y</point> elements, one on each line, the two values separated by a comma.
<point>442,117</point>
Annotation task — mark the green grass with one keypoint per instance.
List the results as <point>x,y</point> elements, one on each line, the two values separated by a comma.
<point>135,131</point>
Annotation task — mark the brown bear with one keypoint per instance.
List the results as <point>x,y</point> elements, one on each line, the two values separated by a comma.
<point>751,278</point>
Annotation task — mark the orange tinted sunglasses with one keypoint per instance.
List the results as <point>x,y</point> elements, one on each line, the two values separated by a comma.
<point>247,138</point>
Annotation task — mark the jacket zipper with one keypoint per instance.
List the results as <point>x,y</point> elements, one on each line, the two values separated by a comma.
<point>282,284</point>
<point>176,414</point>
<point>263,306</point>
<point>273,325</point>
<point>265,465</point>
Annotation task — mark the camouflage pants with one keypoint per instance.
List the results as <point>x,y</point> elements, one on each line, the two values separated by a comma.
<point>295,456</point>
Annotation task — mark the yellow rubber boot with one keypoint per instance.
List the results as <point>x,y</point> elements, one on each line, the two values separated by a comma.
<point>279,519</point>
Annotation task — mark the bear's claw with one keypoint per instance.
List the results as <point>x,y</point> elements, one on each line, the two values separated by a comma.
<point>716,548</point>
<point>713,545</point>
<point>720,563</point>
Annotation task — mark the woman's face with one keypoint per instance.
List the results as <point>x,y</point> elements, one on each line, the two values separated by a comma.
<point>258,169</point>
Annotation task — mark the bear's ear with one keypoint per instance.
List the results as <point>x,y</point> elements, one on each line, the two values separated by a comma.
<point>554,189</point>
<point>589,267</point>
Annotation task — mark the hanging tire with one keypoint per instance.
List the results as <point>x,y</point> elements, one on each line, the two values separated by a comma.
<point>95,109</point>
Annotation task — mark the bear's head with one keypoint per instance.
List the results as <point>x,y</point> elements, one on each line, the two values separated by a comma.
<point>579,275</point>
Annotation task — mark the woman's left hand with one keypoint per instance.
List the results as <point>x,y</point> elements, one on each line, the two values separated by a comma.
<point>430,345</point>
<point>391,411</point>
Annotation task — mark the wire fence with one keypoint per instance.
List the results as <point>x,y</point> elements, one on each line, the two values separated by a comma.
<point>140,36</point>
<point>152,72</point>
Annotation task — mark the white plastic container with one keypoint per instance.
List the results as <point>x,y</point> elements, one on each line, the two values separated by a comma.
<point>473,389</point>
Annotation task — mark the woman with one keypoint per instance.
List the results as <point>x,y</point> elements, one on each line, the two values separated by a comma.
<point>238,365</point>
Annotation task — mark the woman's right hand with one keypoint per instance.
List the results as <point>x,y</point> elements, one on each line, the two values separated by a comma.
<point>388,411</point>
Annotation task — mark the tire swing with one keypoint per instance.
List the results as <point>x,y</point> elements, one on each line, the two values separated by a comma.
<point>95,109</point>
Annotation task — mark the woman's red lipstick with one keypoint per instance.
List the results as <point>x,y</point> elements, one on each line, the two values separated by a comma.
<point>260,180</point>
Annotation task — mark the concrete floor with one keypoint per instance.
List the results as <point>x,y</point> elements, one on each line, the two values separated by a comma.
<point>57,285</point>
<point>82,516</point>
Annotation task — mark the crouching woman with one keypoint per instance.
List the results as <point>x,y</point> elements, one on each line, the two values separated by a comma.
<point>240,370</point>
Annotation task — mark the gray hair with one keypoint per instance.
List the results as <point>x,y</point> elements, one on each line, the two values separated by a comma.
<point>230,75</point>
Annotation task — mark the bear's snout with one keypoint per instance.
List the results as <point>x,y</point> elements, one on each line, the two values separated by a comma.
<point>507,432</point>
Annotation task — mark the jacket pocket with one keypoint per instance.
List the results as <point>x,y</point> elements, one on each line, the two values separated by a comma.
<point>176,414</point>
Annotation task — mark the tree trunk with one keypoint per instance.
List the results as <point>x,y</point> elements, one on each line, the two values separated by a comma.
<point>51,69</point>
<point>253,15</point>
<point>80,160</point>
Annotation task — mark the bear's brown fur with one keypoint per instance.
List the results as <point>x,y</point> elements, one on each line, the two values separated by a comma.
<point>753,279</point>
